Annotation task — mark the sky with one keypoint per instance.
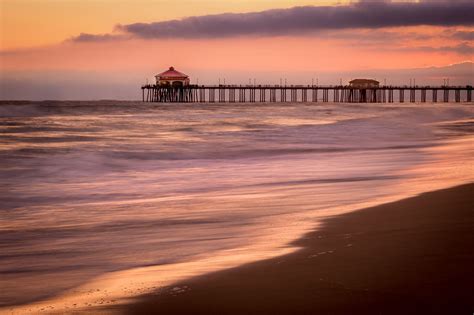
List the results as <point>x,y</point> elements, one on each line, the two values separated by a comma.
<point>105,49</point>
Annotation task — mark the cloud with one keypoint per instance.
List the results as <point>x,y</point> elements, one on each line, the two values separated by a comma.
<point>462,49</point>
<point>463,35</point>
<point>85,37</point>
<point>301,20</point>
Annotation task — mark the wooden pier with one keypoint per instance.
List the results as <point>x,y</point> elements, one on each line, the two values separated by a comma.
<point>304,93</point>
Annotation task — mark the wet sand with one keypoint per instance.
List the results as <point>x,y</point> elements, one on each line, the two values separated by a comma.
<point>413,256</point>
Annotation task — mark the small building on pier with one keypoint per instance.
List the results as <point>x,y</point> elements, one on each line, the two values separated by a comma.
<point>172,78</point>
<point>364,83</point>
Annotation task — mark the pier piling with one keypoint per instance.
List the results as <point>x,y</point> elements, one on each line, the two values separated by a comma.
<point>299,93</point>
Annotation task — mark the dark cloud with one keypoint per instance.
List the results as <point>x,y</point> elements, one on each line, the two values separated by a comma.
<point>463,35</point>
<point>375,37</point>
<point>85,37</point>
<point>300,20</point>
<point>440,1</point>
<point>462,49</point>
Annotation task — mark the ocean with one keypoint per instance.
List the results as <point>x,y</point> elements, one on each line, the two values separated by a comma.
<point>102,201</point>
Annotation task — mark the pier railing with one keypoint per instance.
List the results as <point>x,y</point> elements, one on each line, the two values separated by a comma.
<point>305,93</point>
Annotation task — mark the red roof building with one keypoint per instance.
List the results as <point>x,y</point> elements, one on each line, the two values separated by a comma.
<point>171,77</point>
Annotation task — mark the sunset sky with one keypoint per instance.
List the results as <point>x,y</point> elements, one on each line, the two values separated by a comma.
<point>89,49</point>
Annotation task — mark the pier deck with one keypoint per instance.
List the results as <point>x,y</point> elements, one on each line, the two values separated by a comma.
<point>304,93</point>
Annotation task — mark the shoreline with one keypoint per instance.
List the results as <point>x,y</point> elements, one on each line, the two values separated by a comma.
<point>408,256</point>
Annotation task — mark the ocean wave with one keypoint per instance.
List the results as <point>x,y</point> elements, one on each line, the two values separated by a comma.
<point>93,187</point>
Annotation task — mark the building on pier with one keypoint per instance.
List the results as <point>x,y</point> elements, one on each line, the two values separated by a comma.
<point>364,83</point>
<point>172,78</point>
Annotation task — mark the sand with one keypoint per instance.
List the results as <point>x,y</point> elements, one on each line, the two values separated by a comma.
<point>414,256</point>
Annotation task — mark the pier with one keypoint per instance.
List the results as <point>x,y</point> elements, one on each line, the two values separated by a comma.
<point>303,93</point>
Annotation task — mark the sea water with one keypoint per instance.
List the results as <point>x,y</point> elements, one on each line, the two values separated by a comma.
<point>93,189</point>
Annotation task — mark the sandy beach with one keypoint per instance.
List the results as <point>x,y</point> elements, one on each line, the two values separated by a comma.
<point>408,257</point>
